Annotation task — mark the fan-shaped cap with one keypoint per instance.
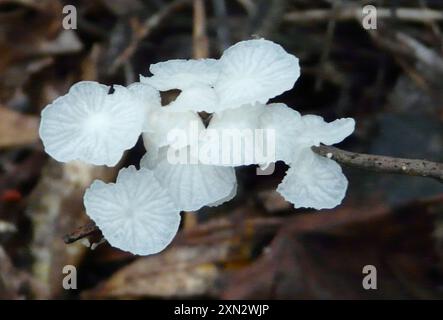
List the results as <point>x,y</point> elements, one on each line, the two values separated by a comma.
<point>182,74</point>
<point>90,125</point>
<point>148,99</point>
<point>295,132</point>
<point>313,130</point>
<point>255,71</point>
<point>246,117</point>
<point>191,185</point>
<point>314,182</point>
<point>135,214</point>
<point>285,122</point>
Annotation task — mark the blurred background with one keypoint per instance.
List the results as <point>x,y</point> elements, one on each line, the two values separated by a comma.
<point>256,246</point>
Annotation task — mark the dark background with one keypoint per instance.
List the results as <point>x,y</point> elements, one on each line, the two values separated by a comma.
<point>258,245</point>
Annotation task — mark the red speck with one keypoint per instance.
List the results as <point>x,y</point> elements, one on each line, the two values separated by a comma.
<point>11,195</point>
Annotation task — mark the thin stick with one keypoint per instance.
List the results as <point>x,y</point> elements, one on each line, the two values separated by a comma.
<point>355,12</point>
<point>81,232</point>
<point>412,167</point>
<point>199,37</point>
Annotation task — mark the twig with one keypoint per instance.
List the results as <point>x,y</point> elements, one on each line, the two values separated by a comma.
<point>412,167</point>
<point>355,12</point>
<point>199,37</point>
<point>81,232</point>
<point>432,24</point>
<point>420,51</point>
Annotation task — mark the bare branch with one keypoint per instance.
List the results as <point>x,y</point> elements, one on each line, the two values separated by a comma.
<point>412,167</point>
<point>81,232</point>
<point>355,12</point>
<point>199,37</point>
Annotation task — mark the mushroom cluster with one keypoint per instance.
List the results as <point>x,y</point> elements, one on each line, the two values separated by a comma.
<point>140,212</point>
